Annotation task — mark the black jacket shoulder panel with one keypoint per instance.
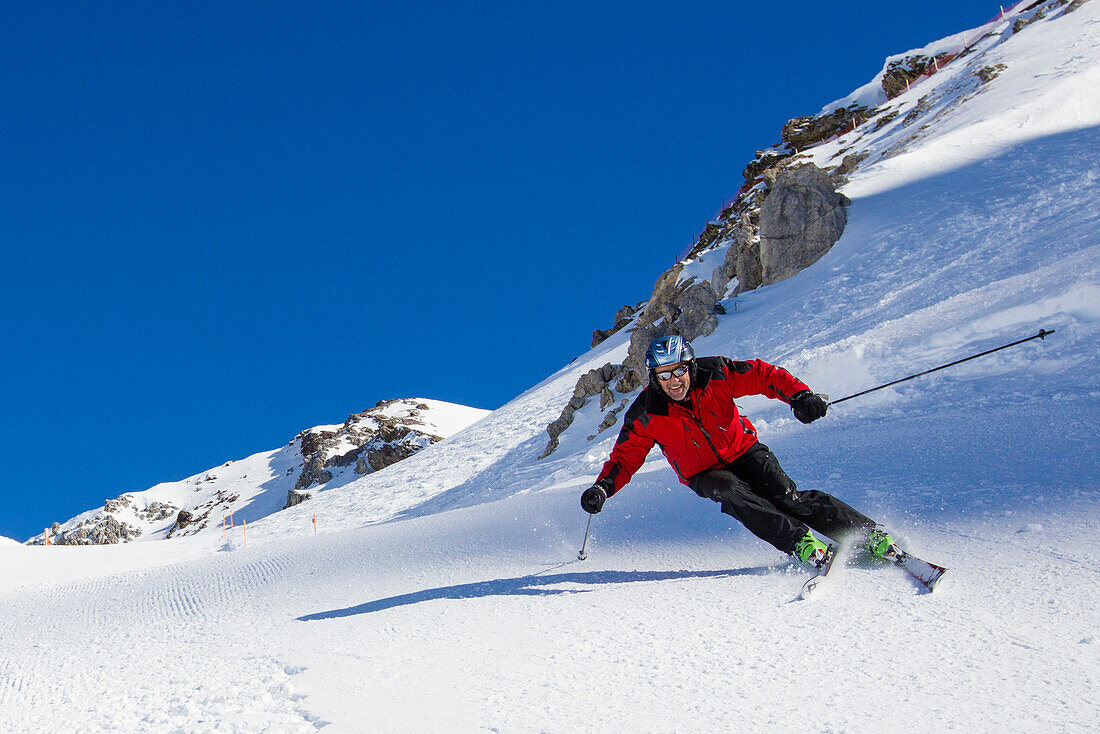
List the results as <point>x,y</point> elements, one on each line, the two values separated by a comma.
<point>638,411</point>
<point>707,369</point>
<point>650,402</point>
<point>738,366</point>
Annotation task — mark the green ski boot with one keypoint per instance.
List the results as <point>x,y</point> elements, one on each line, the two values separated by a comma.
<point>810,550</point>
<point>880,545</point>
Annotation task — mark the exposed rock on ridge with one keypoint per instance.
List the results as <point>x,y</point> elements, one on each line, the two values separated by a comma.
<point>366,442</point>
<point>593,383</point>
<point>106,528</point>
<point>369,441</point>
<point>801,219</point>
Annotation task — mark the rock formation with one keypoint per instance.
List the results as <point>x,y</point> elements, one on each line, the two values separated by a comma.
<point>800,220</point>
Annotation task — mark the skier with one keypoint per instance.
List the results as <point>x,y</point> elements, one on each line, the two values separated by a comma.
<point>688,410</point>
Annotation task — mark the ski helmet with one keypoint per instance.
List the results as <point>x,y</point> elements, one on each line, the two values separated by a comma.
<point>668,350</point>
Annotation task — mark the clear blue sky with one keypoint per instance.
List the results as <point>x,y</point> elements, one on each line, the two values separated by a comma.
<point>223,223</point>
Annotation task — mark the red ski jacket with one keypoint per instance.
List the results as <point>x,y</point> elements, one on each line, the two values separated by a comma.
<point>703,431</point>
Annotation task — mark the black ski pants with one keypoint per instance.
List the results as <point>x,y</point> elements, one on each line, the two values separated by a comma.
<point>754,489</point>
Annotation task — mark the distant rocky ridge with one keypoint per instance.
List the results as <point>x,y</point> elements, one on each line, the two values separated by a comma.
<point>106,527</point>
<point>367,442</point>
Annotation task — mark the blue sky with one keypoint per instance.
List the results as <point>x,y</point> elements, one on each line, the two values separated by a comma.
<point>225,223</point>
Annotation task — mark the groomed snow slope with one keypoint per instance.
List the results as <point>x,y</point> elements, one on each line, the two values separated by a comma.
<point>444,594</point>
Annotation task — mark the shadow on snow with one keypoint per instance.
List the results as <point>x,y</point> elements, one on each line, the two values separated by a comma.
<point>531,585</point>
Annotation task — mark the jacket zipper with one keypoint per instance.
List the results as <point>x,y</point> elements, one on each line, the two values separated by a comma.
<point>706,436</point>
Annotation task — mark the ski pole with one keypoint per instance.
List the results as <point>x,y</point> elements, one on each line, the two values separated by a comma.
<point>1043,334</point>
<point>582,555</point>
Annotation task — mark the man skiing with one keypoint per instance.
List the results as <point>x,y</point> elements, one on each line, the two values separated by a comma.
<point>688,410</point>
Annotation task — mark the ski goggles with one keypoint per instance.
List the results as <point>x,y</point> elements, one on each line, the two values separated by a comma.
<point>678,372</point>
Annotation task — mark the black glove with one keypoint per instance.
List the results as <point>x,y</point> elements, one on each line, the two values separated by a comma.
<point>808,407</point>
<point>593,498</point>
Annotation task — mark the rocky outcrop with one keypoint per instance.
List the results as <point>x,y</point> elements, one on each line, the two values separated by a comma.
<point>591,384</point>
<point>610,418</point>
<point>797,216</point>
<point>104,530</point>
<point>742,261</point>
<point>801,133</point>
<point>782,221</point>
<point>201,515</point>
<point>800,220</point>
<point>622,318</point>
<point>296,497</point>
<point>109,525</point>
<point>370,441</point>
<point>314,471</point>
<point>764,160</point>
<point>989,73</point>
<point>901,73</point>
<point>847,165</point>
<point>684,307</point>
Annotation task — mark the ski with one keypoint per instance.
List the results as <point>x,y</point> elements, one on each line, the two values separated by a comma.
<point>814,581</point>
<point>928,574</point>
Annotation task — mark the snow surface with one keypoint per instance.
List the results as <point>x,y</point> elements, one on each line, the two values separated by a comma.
<point>445,594</point>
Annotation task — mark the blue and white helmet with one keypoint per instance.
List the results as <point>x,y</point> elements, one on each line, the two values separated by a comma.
<point>668,350</point>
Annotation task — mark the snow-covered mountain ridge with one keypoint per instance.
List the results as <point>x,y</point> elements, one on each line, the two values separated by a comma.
<point>931,96</point>
<point>445,594</point>
<point>317,459</point>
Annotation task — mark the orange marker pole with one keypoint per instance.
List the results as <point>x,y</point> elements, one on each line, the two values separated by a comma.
<point>47,536</point>
<point>315,523</point>
<point>244,529</point>
<point>223,525</point>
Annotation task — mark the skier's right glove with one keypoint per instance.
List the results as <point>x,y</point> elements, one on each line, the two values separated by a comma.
<point>593,498</point>
<point>808,407</point>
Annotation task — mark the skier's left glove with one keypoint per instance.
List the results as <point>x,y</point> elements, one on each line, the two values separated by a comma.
<point>593,498</point>
<point>808,407</point>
